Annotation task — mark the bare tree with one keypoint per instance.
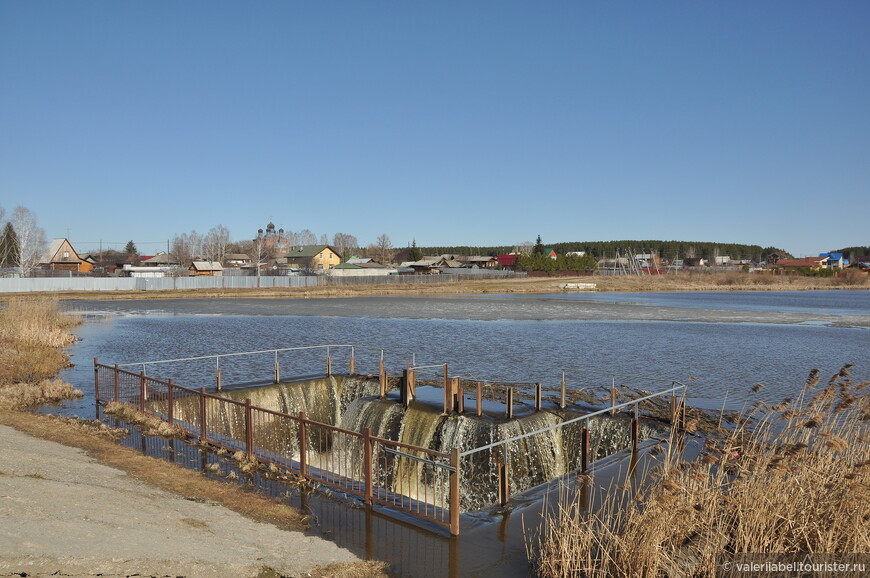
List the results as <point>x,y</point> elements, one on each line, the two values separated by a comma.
<point>344,243</point>
<point>382,247</point>
<point>525,248</point>
<point>306,237</point>
<point>187,247</point>
<point>215,243</point>
<point>258,251</point>
<point>324,239</point>
<point>30,238</point>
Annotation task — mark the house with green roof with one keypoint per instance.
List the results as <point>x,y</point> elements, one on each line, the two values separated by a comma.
<point>313,257</point>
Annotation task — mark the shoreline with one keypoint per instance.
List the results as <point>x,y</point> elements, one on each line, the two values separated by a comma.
<point>683,282</point>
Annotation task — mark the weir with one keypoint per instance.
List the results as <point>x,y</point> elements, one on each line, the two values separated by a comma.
<point>428,450</point>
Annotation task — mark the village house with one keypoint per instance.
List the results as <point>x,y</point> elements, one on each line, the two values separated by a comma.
<point>60,256</point>
<point>160,260</point>
<point>237,260</point>
<point>508,261</point>
<point>835,260</point>
<point>480,262</point>
<point>814,263</point>
<point>313,257</point>
<point>205,269</point>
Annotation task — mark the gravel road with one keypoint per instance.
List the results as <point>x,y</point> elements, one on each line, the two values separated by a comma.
<point>64,514</point>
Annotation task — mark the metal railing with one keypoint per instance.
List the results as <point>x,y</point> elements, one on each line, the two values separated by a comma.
<point>214,374</point>
<point>422,482</point>
<point>358,463</point>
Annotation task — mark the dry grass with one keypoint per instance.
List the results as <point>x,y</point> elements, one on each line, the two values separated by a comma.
<point>149,424</point>
<point>23,395</point>
<point>32,333</point>
<point>792,481</point>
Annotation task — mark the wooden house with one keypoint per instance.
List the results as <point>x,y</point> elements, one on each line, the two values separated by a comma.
<point>60,256</point>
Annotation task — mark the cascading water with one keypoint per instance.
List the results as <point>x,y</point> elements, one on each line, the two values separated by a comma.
<point>352,403</point>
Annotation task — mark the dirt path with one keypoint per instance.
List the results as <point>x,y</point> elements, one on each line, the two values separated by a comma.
<point>62,513</point>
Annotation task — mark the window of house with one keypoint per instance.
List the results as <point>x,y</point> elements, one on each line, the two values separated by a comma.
<point>66,254</point>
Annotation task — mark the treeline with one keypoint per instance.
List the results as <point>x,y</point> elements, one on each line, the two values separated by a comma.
<point>853,253</point>
<point>466,250</point>
<point>666,250</point>
<point>669,250</point>
<point>541,262</point>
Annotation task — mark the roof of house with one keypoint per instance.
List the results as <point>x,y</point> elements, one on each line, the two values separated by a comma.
<point>50,254</point>
<point>805,262</point>
<point>507,260</point>
<point>236,257</point>
<point>161,259</point>
<point>425,262</point>
<point>310,251</point>
<point>206,266</point>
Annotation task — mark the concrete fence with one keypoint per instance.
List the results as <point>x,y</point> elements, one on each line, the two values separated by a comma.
<point>39,284</point>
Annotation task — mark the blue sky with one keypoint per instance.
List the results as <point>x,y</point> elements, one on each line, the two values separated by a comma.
<point>448,123</point>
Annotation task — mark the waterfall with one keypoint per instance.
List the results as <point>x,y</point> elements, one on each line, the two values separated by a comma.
<point>352,403</point>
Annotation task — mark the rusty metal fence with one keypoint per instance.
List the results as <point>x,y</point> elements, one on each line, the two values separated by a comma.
<point>417,481</point>
<point>421,482</point>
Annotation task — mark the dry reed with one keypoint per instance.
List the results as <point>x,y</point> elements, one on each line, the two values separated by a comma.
<point>794,481</point>
<point>149,424</point>
<point>32,334</point>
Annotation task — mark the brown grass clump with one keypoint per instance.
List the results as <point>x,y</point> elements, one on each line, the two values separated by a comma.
<point>769,486</point>
<point>23,395</point>
<point>149,424</point>
<point>32,333</point>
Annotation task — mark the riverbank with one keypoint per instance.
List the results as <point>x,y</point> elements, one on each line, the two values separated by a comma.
<point>76,503</point>
<point>684,281</point>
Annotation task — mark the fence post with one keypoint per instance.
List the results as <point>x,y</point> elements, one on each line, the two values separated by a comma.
<point>249,428</point>
<point>509,402</point>
<point>277,369</point>
<point>218,379</point>
<point>352,369</point>
<point>117,384</point>
<point>170,412</point>
<point>328,363</point>
<point>537,397</point>
<point>203,429</point>
<point>613,396</point>
<point>584,450</point>
<point>382,378</point>
<point>303,446</point>
<point>460,395</point>
<point>96,379</point>
<point>143,391</point>
<point>367,464</point>
<point>503,480</point>
<point>562,403</point>
<point>454,492</point>
<point>635,434</point>
<point>479,399</point>
<point>446,379</point>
